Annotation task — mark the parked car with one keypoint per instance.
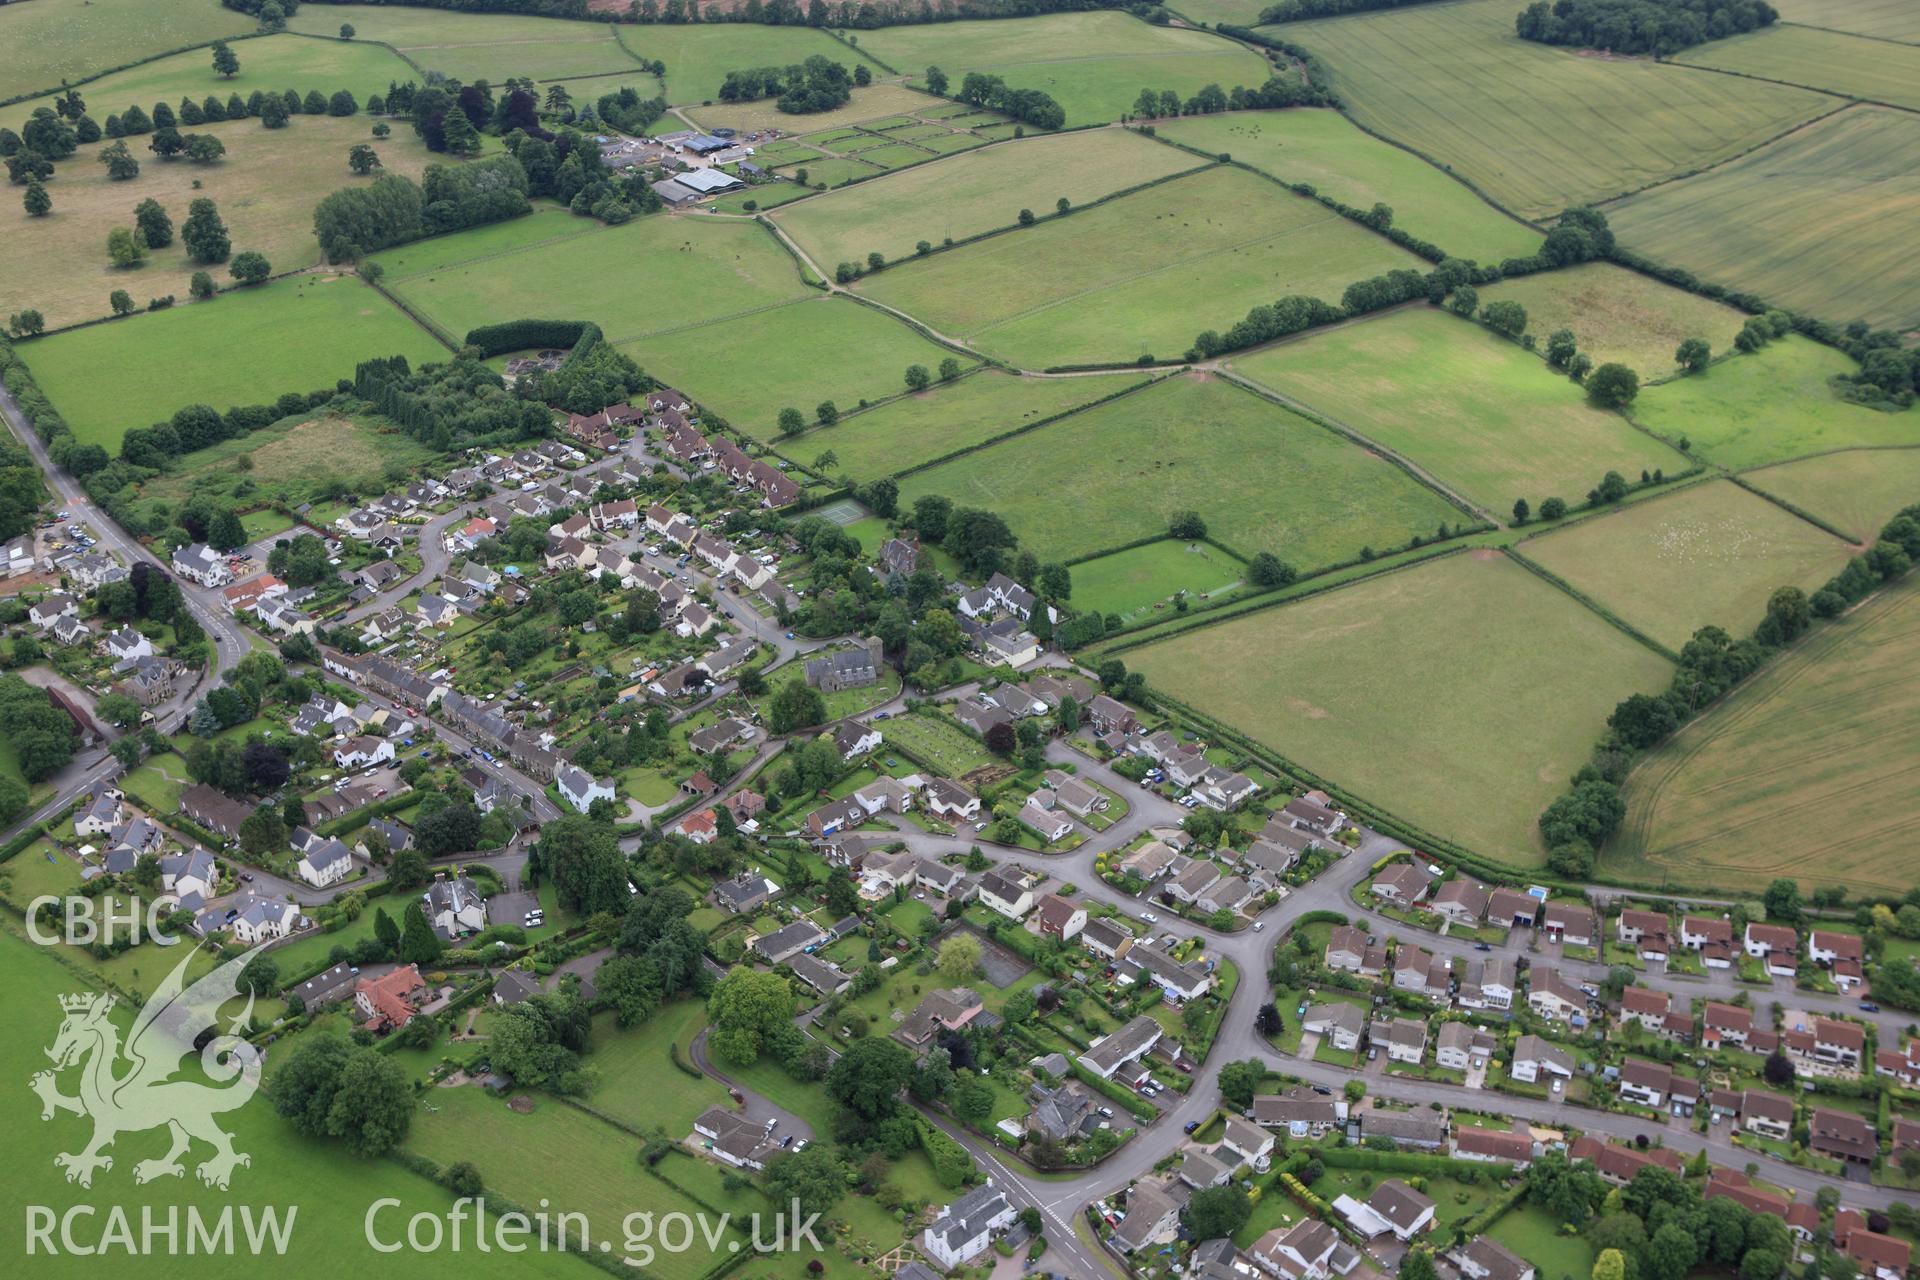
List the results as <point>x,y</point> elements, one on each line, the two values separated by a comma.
<point>1481,946</point>
<point>1868,1006</point>
<point>1258,925</point>
<point>1192,1125</point>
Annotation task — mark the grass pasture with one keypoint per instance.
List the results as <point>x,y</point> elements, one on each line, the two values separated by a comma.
<point>1856,491</point>
<point>47,42</point>
<point>1324,148</point>
<point>1770,406</point>
<point>1482,415</point>
<point>916,429</point>
<point>834,171</point>
<point>1822,221</point>
<point>471,47</point>
<point>266,189</point>
<point>1855,67</point>
<point>698,57</point>
<point>1617,314</point>
<point>649,276</point>
<point>331,1188</point>
<point>1887,19</point>
<point>1708,553</point>
<point>272,62</point>
<point>1142,274</point>
<point>876,100</point>
<point>1834,724</point>
<point>1093,64</point>
<point>1142,579</point>
<point>749,367</point>
<point>296,335</point>
<point>1518,119</point>
<point>1263,478</point>
<point>292,461</point>
<point>974,193</point>
<point>1426,690</point>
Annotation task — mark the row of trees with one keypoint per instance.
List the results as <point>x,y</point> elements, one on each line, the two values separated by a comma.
<point>1640,26</point>
<point>818,84</point>
<point>1576,824</point>
<point>1277,92</point>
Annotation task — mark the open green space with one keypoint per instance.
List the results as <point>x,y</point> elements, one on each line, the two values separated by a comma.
<point>331,1188</point>
<point>637,1083</point>
<point>1887,19</point>
<point>1366,685</point>
<point>698,57</point>
<point>1341,160</point>
<point>1709,553</point>
<point>1878,70</point>
<point>1822,221</point>
<point>1769,406</point>
<point>649,276</point>
<point>265,189</point>
<point>1093,64</point>
<point>471,47</point>
<point>1142,274</point>
<point>1476,411</point>
<point>48,42</point>
<point>973,193</point>
<point>831,172</point>
<point>1534,1234</point>
<point>1857,491</point>
<point>916,429</point>
<point>1262,478</point>
<point>874,102</point>
<point>1619,315</point>
<point>1141,579</point>
<point>1520,120</point>
<point>559,1153</point>
<point>897,155</point>
<point>296,334</point>
<point>1835,725</point>
<point>749,367</point>
<point>278,63</point>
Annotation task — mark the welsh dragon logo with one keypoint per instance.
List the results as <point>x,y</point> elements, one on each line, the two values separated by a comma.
<point>146,1095</point>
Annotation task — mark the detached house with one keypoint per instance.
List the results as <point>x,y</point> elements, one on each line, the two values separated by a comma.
<point>1055,917</point>
<point>1462,900</point>
<point>1402,884</point>
<point>1777,945</point>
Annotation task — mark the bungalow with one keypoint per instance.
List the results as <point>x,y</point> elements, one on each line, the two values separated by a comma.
<point>1149,862</point>
<point>1512,908</point>
<point>1570,922</point>
<point>1618,1164</point>
<point>949,1009</point>
<point>735,1139</point>
<point>1312,812</point>
<point>1194,881</point>
<point>1225,895</point>
<point>823,976</point>
<point>1394,1209</point>
<point>1402,884</point>
<point>1301,1112</point>
<point>1502,1146</point>
<point>1534,1057</point>
<point>1732,1184</point>
<point>1200,1170</point>
<point>1110,1053</point>
<point>1052,825</point>
<point>1554,997</point>
<point>1462,900</point>
<point>786,942</point>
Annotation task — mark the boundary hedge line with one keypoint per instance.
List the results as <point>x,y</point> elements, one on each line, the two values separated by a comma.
<point>1555,580</point>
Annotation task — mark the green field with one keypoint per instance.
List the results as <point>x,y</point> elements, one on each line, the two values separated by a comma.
<point>1521,120</point>
<point>1887,19</point>
<point>916,429</point>
<point>1822,221</point>
<point>579,1162</point>
<point>1093,64</point>
<point>831,172</point>
<point>974,193</point>
<point>649,276</point>
<point>1710,553</point>
<point>1835,725</point>
<point>1534,1234</point>
<point>331,1189</point>
<point>1878,70</point>
<point>1325,149</point>
<point>1427,691</point>
<point>1143,274</point>
<point>1857,491</point>
<point>748,368</point>
<point>273,62</point>
<point>1770,406</point>
<point>1617,314</point>
<point>1262,478</point>
<point>874,101</point>
<point>266,189</point>
<point>699,57</point>
<point>1142,579</point>
<point>1241,13</point>
<point>1479,413</point>
<point>471,47</point>
<point>47,42</point>
<point>295,334</point>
